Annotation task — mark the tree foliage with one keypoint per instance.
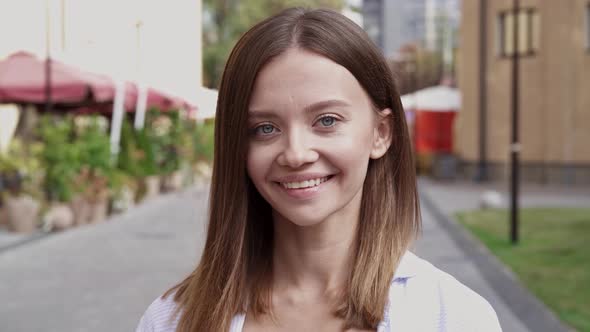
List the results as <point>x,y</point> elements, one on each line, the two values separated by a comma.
<point>417,69</point>
<point>224,21</point>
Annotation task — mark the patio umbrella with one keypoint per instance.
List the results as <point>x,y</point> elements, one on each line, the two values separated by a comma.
<point>22,80</point>
<point>155,98</point>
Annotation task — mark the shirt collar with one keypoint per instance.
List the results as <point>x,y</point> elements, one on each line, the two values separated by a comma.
<point>407,267</point>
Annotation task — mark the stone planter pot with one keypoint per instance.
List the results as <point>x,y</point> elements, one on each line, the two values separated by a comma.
<point>21,212</point>
<point>174,181</point>
<point>98,209</point>
<point>59,217</point>
<point>90,210</point>
<point>81,210</point>
<point>202,173</point>
<point>124,200</point>
<point>152,186</point>
<point>3,217</point>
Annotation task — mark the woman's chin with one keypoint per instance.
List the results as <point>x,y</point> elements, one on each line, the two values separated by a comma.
<point>301,220</point>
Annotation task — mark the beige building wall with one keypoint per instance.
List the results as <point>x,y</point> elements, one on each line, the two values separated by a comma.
<point>581,116</point>
<point>466,124</point>
<point>554,102</point>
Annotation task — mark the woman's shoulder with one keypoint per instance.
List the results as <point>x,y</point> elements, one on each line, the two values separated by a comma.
<point>453,304</point>
<point>160,316</point>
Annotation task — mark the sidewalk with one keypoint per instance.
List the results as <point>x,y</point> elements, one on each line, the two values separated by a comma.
<point>460,195</point>
<point>9,240</point>
<point>447,245</point>
<point>102,277</point>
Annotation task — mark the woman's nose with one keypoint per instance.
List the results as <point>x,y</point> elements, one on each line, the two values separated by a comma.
<point>296,151</point>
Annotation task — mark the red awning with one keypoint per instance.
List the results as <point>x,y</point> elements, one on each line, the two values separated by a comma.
<point>22,80</point>
<point>155,98</point>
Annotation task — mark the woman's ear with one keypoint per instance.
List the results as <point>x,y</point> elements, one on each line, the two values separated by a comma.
<point>382,134</point>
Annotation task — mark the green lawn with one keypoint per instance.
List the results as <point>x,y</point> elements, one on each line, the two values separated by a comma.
<point>552,258</point>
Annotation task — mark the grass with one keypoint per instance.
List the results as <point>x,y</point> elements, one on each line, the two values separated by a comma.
<point>552,258</point>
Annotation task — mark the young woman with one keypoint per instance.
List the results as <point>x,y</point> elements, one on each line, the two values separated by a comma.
<point>313,197</point>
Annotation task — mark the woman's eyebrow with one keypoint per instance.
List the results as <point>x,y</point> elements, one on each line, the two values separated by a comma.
<point>325,104</point>
<point>315,107</point>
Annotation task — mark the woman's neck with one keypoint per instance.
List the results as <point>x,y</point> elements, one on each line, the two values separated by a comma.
<point>315,261</point>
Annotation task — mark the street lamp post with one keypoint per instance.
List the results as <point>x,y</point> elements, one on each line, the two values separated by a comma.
<point>482,171</point>
<point>515,145</point>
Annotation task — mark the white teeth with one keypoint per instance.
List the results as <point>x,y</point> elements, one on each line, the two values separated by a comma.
<point>304,184</point>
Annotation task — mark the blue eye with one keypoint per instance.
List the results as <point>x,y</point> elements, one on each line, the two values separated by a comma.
<point>265,129</point>
<point>328,121</point>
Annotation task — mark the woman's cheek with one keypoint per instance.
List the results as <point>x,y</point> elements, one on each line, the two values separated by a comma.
<point>259,160</point>
<point>254,161</point>
<point>351,148</point>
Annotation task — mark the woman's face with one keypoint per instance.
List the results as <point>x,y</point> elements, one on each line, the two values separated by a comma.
<point>312,131</point>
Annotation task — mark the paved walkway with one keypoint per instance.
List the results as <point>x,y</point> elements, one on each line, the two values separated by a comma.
<point>438,247</point>
<point>456,195</point>
<point>517,308</point>
<point>9,240</point>
<point>102,277</point>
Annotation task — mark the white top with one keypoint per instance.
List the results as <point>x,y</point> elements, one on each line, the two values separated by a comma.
<point>421,298</point>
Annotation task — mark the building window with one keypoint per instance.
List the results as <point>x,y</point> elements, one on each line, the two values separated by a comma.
<point>588,27</point>
<point>528,32</point>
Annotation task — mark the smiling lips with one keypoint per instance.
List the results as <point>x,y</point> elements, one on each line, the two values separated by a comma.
<point>304,184</point>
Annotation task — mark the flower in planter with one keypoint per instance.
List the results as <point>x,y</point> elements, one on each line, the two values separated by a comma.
<point>85,122</point>
<point>20,168</point>
<point>162,125</point>
<point>19,174</point>
<point>91,183</point>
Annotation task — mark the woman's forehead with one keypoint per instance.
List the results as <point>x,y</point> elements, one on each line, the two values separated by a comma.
<point>302,77</point>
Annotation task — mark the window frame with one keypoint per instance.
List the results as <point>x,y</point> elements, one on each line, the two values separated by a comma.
<point>529,50</point>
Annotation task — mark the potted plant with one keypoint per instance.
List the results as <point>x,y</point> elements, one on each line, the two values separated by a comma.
<point>61,163</point>
<point>165,130</point>
<point>20,172</point>
<point>95,174</point>
<point>187,152</point>
<point>203,138</point>
<point>124,188</point>
<point>133,165</point>
<point>137,159</point>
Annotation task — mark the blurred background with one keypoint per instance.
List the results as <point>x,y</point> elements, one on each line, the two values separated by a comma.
<point>106,143</point>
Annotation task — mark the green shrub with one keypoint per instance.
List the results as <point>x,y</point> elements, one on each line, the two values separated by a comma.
<point>137,156</point>
<point>77,158</point>
<point>164,130</point>
<point>203,138</point>
<point>96,173</point>
<point>61,158</point>
<point>21,169</point>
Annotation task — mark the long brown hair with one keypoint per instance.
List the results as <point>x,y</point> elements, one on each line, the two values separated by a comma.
<point>234,274</point>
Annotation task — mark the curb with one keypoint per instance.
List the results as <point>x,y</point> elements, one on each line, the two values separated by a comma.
<point>28,239</point>
<point>530,310</point>
<point>40,235</point>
